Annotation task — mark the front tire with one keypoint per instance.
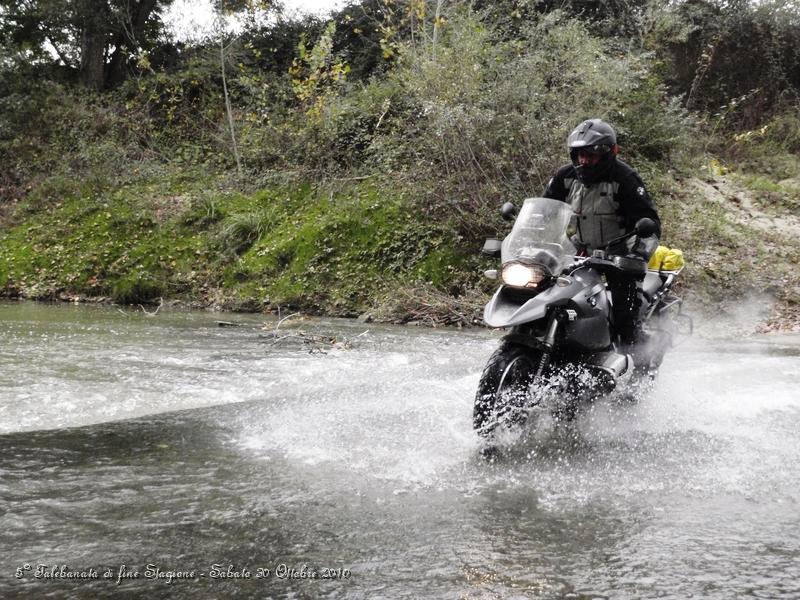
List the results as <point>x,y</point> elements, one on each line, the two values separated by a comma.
<point>504,388</point>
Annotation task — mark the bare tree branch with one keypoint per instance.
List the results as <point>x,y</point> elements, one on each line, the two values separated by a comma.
<point>228,109</point>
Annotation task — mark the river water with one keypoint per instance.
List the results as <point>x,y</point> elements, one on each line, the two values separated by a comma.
<point>167,456</point>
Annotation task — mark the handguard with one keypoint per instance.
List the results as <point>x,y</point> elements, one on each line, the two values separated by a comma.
<point>632,265</point>
<point>644,247</point>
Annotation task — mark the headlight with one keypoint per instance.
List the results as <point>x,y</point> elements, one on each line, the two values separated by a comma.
<point>523,276</point>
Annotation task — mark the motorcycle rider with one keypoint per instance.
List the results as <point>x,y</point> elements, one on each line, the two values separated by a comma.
<point>608,197</point>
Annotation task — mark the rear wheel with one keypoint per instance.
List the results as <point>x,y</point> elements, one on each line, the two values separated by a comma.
<point>504,388</point>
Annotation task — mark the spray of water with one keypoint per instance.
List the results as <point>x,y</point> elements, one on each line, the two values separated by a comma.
<point>366,452</point>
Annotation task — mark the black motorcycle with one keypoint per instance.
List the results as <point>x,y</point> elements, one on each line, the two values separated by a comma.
<point>562,347</point>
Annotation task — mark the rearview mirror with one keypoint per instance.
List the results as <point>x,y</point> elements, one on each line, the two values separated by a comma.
<point>491,247</point>
<point>508,211</point>
<point>645,227</point>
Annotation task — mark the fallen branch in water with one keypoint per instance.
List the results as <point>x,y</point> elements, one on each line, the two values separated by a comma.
<point>315,343</point>
<point>155,312</point>
<point>287,317</point>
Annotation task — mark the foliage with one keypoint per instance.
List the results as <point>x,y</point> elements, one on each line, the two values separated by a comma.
<point>489,114</point>
<point>737,59</point>
<point>92,39</point>
<point>337,250</point>
<point>361,37</point>
<point>316,73</point>
<point>49,132</point>
<point>609,18</point>
<point>770,152</point>
<point>413,120</point>
<point>482,119</point>
<point>242,230</point>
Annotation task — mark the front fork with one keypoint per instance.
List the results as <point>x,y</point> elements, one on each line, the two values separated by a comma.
<point>548,342</point>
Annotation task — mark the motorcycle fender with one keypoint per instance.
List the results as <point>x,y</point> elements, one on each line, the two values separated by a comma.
<point>504,311</point>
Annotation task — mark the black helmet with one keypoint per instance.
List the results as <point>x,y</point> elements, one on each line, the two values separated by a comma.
<point>597,137</point>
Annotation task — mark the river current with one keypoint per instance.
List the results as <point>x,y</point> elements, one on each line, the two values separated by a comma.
<point>168,456</point>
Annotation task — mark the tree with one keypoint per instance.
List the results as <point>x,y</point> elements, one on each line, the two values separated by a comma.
<point>252,9</point>
<point>92,39</point>
<point>732,54</point>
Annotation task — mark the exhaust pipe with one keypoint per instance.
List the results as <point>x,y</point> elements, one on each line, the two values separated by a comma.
<point>613,368</point>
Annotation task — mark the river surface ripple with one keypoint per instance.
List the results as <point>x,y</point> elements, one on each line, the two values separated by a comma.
<point>342,449</point>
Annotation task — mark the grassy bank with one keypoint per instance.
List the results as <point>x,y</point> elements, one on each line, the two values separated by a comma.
<point>360,246</point>
<point>339,249</point>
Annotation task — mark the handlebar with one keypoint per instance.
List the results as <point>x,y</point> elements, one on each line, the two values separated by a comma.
<point>633,266</point>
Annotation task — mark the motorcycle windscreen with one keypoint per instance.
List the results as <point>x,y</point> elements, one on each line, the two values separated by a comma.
<point>540,235</point>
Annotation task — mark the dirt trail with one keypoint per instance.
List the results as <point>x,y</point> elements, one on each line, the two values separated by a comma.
<point>744,209</point>
<point>777,229</point>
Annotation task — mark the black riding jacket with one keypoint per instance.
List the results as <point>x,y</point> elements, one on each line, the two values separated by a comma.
<point>606,209</point>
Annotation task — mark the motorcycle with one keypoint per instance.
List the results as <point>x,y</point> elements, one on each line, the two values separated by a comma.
<point>562,347</point>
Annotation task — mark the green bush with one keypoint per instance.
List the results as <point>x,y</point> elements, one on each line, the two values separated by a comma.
<point>479,120</point>
<point>783,131</point>
<point>736,60</point>
<point>137,288</point>
<point>240,231</point>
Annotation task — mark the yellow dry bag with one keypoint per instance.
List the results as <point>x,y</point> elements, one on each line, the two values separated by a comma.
<point>666,259</point>
<point>673,260</point>
<point>657,258</point>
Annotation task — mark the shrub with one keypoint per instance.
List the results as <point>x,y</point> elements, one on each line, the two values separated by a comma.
<point>482,119</point>
<point>733,59</point>
<point>240,231</point>
<point>137,288</point>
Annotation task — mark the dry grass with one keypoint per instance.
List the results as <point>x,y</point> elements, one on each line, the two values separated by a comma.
<point>426,305</point>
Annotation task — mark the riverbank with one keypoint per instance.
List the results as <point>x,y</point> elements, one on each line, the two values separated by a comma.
<point>336,178</point>
<point>359,249</point>
<point>340,249</point>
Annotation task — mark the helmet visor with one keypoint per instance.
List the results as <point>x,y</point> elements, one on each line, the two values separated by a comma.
<point>596,149</point>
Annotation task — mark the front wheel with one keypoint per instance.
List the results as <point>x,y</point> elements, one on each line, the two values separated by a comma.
<point>504,387</point>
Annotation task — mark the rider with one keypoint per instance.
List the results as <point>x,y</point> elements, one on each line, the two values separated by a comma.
<point>608,198</point>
